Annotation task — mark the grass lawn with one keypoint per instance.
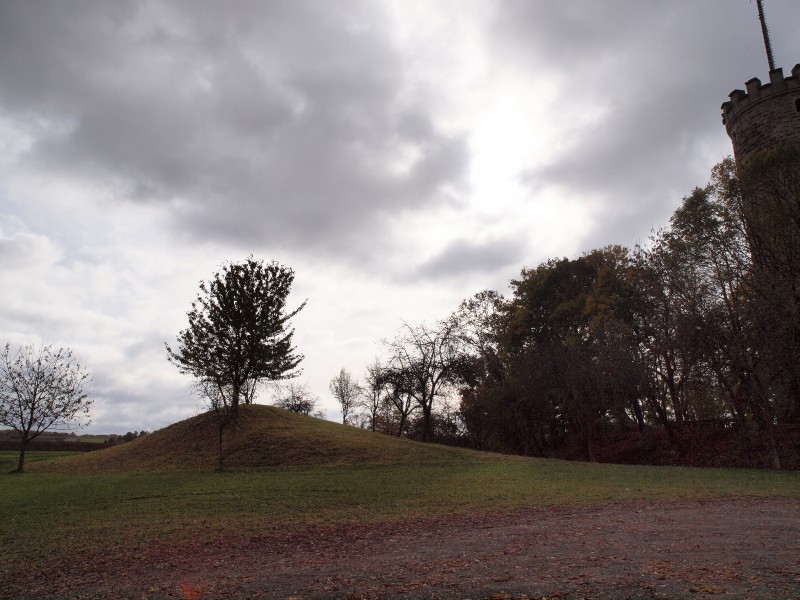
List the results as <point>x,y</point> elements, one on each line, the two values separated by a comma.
<point>48,512</point>
<point>9,458</point>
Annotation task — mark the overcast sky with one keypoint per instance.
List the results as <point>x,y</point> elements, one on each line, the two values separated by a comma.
<point>399,156</point>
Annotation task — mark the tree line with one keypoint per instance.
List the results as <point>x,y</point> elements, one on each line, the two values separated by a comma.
<point>690,337</point>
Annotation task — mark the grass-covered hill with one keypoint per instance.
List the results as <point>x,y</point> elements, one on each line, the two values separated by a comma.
<point>264,436</point>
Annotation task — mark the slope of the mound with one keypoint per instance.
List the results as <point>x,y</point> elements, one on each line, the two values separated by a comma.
<point>264,436</point>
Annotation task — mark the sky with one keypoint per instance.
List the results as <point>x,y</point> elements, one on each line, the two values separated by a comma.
<point>399,155</point>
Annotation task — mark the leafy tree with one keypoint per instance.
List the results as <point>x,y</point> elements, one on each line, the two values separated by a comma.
<point>132,435</point>
<point>238,336</point>
<point>41,388</point>
<point>768,198</point>
<point>732,331</point>
<point>478,323</point>
<point>347,392</point>
<point>669,316</point>
<point>569,352</point>
<point>238,332</point>
<point>718,302</point>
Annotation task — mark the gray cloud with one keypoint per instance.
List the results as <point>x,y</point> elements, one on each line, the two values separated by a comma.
<point>467,257</point>
<point>259,123</point>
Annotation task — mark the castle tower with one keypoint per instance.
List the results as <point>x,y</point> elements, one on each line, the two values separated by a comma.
<point>765,116</point>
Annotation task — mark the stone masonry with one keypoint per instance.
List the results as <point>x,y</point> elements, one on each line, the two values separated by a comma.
<point>765,116</point>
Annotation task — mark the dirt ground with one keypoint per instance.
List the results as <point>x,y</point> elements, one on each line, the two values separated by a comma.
<point>731,548</point>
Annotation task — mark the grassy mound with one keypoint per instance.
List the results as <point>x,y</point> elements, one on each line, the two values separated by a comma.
<point>263,436</point>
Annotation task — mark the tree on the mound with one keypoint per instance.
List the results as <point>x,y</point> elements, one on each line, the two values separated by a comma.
<point>346,389</point>
<point>298,398</point>
<point>238,335</point>
<point>40,388</point>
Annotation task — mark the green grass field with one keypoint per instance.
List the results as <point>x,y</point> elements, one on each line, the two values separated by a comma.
<point>8,459</point>
<point>163,485</point>
<point>47,511</point>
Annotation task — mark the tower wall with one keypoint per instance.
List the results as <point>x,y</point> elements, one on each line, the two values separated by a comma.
<point>765,116</point>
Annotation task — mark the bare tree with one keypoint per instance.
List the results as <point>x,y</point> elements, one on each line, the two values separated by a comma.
<point>41,388</point>
<point>423,361</point>
<point>399,398</point>
<point>347,391</point>
<point>297,397</point>
<point>374,393</point>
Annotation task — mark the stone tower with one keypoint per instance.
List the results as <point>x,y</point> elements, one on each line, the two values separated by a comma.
<point>765,116</point>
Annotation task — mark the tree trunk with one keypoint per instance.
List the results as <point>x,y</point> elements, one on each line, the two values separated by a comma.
<point>763,414</point>
<point>794,394</point>
<point>537,445</point>
<point>590,454</point>
<point>21,462</point>
<point>402,424</point>
<point>773,446</point>
<point>234,399</point>
<point>426,422</point>
<point>637,411</point>
<point>776,459</point>
<point>221,466</point>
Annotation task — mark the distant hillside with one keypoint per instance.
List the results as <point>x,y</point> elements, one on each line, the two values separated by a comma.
<point>264,436</point>
<point>58,436</point>
<point>55,441</point>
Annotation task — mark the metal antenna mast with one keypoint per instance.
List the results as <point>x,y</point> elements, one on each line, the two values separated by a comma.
<point>765,32</point>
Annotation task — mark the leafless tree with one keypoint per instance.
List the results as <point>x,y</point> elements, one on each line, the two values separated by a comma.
<point>297,397</point>
<point>423,362</point>
<point>41,388</point>
<point>374,397</point>
<point>401,401</point>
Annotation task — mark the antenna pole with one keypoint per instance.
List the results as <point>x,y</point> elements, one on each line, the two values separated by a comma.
<point>765,33</point>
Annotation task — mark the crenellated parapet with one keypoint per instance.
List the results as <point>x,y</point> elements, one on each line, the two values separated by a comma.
<point>766,115</point>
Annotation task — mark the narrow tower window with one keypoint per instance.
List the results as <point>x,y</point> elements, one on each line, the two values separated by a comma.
<point>797,105</point>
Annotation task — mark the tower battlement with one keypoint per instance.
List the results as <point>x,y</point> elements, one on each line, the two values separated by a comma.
<point>766,115</point>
